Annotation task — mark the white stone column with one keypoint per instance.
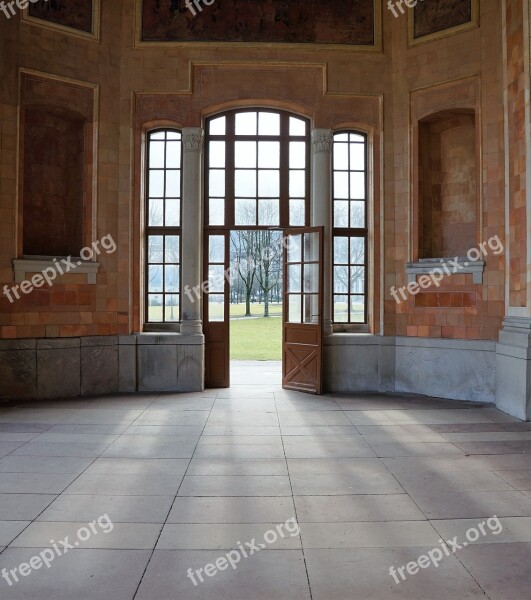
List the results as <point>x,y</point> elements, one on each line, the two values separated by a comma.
<point>192,233</point>
<point>322,211</point>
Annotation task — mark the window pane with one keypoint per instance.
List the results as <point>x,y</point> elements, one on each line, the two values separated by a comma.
<point>245,155</point>
<point>156,155</point>
<point>268,184</point>
<point>173,155</point>
<point>173,184</point>
<point>268,212</point>
<point>297,155</point>
<point>341,309</point>
<point>294,278</point>
<point>357,186</point>
<point>341,156</point>
<point>357,138</point>
<point>173,135</point>
<point>341,279</point>
<point>155,308</point>
<point>216,249</point>
<point>246,123</point>
<point>297,126</point>
<point>357,251</point>
<point>158,135</point>
<point>216,182</point>
<point>297,210</point>
<point>340,213</point>
<point>357,157</point>
<point>245,211</point>
<point>217,126</point>
<point>154,249</point>
<point>156,214</point>
<point>357,309</point>
<point>216,154</point>
<point>268,123</point>
<point>171,305</point>
<point>294,308</point>
<point>311,278</point>
<point>294,246</point>
<point>172,249</point>
<point>341,137</point>
<point>340,185</point>
<point>171,278</point>
<point>216,211</point>
<point>341,250</point>
<point>245,183</point>
<point>357,280</point>
<point>357,214</point>
<point>268,155</point>
<point>155,278</point>
<point>216,278</point>
<point>216,307</point>
<point>311,308</point>
<point>156,184</point>
<point>297,184</point>
<point>173,213</point>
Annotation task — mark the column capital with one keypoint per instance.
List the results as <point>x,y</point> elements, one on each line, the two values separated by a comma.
<point>322,140</point>
<point>193,139</point>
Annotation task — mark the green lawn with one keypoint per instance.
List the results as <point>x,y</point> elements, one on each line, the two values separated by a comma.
<point>256,339</point>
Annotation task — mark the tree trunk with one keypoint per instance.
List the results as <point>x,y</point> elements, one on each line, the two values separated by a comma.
<point>248,303</point>
<point>266,295</point>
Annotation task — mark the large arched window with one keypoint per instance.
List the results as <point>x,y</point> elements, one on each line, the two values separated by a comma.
<point>163,226</point>
<point>257,170</point>
<point>350,246</point>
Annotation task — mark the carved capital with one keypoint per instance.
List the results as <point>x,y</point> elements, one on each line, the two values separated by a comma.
<point>322,140</point>
<point>192,139</point>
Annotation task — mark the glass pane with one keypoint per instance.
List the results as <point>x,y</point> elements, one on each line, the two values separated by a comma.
<point>294,308</point>
<point>311,278</point>
<point>294,248</point>
<point>341,156</point>
<point>216,211</point>
<point>357,280</point>
<point>173,155</point>
<point>155,278</point>
<point>268,155</point>
<point>357,157</point>
<point>340,185</point>
<point>341,250</point>
<point>341,137</point>
<point>357,309</point>
<point>216,278</point>
<point>245,155</point>
<point>294,278</point>
<point>245,183</point>
<point>216,307</point>
<point>268,123</point>
<point>156,155</point>
<point>357,138</point>
<point>297,126</point>
<point>341,279</point>
<point>245,211</point>
<point>173,135</point>
<point>173,184</point>
<point>216,250</point>
<point>357,186</point>
<point>269,184</point>
<point>159,135</point>
<point>173,213</point>
<point>340,213</point>
<point>216,182</point>
<point>341,309</point>
<point>171,278</point>
<point>297,211</point>
<point>268,212</point>
<point>156,214</point>
<point>154,249</point>
<point>154,308</point>
<point>297,184</point>
<point>172,249</point>
<point>171,307</point>
<point>311,247</point>
<point>311,308</point>
<point>246,123</point>
<point>216,154</point>
<point>357,214</point>
<point>156,184</point>
<point>217,126</point>
<point>357,251</point>
<point>297,155</point>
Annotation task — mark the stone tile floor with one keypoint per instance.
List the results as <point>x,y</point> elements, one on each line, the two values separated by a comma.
<point>374,481</point>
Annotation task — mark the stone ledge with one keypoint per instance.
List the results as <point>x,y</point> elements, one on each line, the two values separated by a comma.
<point>37,264</point>
<point>425,266</point>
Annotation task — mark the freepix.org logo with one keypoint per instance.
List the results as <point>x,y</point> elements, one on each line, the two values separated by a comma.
<point>8,8</point>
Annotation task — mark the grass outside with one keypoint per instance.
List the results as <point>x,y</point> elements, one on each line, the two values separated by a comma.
<point>256,339</point>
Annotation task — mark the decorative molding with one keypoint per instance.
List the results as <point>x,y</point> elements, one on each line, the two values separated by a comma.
<point>426,266</point>
<point>192,139</point>
<point>23,266</point>
<point>322,140</point>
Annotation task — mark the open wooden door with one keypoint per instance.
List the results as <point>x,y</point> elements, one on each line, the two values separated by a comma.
<point>216,310</point>
<point>303,307</point>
